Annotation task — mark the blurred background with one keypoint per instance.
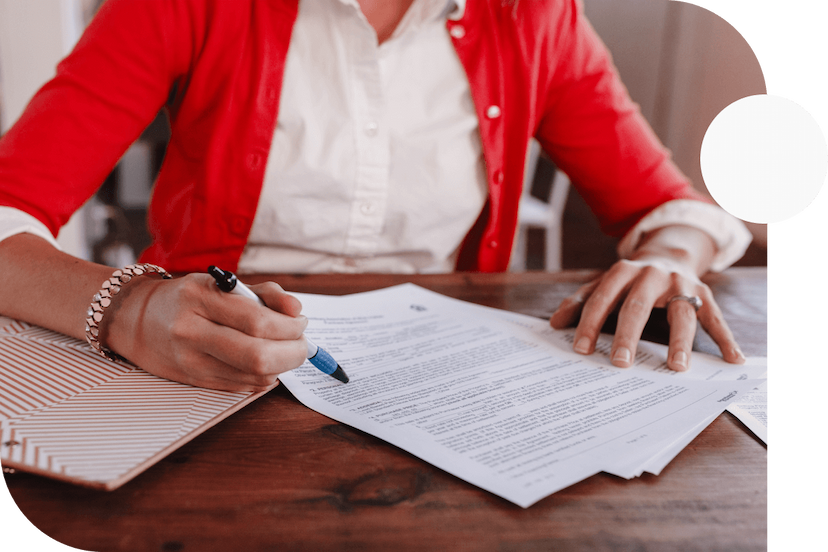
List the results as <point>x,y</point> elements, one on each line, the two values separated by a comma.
<point>682,64</point>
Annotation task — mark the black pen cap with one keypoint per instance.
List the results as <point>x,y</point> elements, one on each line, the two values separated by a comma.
<point>225,280</point>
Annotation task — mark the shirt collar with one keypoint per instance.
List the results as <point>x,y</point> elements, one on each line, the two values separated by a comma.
<point>456,9</point>
<point>422,11</point>
<point>452,10</point>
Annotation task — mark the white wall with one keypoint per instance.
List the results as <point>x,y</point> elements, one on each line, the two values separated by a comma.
<point>682,64</point>
<point>34,36</point>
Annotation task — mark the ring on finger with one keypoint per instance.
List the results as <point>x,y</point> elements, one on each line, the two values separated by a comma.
<point>694,300</point>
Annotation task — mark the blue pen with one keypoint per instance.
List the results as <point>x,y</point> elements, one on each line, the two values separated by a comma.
<point>319,357</point>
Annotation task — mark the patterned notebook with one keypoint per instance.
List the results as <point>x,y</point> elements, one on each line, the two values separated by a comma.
<point>67,413</point>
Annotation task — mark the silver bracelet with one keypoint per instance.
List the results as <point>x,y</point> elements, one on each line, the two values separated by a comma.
<point>102,299</point>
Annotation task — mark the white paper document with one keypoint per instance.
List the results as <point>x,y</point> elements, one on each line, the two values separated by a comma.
<point>752,410</point>
<point>499,399</point>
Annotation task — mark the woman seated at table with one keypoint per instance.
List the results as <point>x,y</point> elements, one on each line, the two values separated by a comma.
<point>340,136</point>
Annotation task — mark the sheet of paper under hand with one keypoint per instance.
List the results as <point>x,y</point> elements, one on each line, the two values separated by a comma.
<point>680,431</point>
<point>495,399</point>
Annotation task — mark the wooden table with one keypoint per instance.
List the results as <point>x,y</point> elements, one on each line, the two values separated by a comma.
<point>278,476</point>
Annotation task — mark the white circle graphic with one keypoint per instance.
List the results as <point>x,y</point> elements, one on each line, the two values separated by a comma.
<point>764,158</point>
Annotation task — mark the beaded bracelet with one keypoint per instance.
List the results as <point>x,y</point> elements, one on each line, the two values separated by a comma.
<point>102,299</point>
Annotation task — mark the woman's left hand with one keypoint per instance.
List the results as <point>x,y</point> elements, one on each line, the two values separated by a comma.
<point>659,275</point>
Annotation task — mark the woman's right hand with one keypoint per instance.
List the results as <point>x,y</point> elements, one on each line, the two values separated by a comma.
<point>187,330</point>
<point>184,329</point>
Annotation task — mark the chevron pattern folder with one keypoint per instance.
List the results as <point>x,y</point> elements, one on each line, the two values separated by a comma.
<point>67,413</point>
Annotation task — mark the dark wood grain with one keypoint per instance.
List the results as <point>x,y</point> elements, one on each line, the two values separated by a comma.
<point>277,476</point>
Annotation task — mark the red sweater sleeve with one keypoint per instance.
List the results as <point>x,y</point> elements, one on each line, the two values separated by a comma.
<point>597,135</point>
<point>78,124</point>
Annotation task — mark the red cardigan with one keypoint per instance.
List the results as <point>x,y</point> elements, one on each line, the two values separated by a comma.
<point>217,66</point>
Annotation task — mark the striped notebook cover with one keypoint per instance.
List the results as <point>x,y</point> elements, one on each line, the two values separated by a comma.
<point>67,413</point>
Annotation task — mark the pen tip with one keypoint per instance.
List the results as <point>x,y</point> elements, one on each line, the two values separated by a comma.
<point>340,374</point>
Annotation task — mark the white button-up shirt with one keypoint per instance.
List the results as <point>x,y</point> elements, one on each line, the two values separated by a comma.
<point>376,162</point>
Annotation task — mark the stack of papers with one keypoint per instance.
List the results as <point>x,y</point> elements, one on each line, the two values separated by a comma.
<point>499,399</point>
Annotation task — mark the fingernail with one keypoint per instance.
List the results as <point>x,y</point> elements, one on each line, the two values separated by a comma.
<point>582,346</point>
<point>622,354</point>
<point>680,360</point>
<point>303,319</point>
<point>737,352</point>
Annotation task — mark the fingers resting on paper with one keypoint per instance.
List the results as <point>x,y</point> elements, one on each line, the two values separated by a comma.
<point>634,289</point>
<point>189,331</point>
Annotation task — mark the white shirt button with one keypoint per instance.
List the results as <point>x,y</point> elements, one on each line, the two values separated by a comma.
<point>493,112</point>
<point>371,128</point>
<point>457,31</point>
<point>368,208</point>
